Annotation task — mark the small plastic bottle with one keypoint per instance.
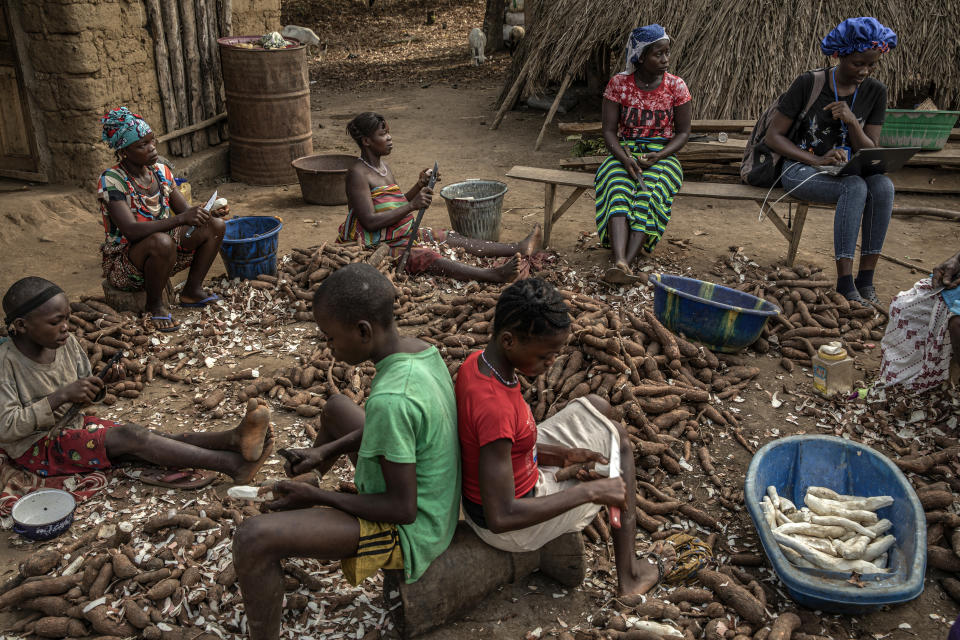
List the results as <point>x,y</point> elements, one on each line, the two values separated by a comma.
<point>185,189</point>
<point>832,370</point>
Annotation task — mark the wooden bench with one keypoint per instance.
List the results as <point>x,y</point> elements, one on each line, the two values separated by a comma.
<point>791,228</point>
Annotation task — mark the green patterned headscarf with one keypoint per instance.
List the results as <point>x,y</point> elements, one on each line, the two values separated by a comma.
<point>121,128</point>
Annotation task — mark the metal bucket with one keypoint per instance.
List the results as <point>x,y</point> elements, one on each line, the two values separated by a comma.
<point>268,110</point>
<point>475,207</point>
<point>323,178</point>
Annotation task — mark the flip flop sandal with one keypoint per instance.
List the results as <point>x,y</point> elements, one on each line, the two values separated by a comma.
<point>616,275</point>
<point>693,554</point>
<point>199,303</point>
<point>186,479</point>
<point>169,318</point>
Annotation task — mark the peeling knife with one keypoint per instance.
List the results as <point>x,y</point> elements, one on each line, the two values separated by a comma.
<point>615,472</point>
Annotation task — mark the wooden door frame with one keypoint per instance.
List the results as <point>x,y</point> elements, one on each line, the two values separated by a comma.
<point>25,81</point>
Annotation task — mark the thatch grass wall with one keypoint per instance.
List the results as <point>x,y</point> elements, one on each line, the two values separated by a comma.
<point>738,55</point>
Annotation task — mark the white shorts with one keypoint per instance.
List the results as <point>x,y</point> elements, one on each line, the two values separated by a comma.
<point>578,425</point>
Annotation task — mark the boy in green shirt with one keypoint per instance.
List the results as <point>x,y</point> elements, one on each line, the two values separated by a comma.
<point>404,446</point>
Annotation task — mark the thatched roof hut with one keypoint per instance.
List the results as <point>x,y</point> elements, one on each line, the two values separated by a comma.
<point>738,55</point>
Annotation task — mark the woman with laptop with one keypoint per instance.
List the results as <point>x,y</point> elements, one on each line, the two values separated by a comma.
<point>846,117</point>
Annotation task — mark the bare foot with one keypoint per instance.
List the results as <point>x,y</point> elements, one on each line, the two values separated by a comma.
<point>162,319</point>
<point>622,264</point>
<point>645,572</point>
<point>247,470</point>
<point>505,272</point>
<point>249,437</point>
<point>532,243</point>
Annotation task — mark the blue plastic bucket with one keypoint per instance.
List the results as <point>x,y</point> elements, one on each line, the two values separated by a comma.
<point>249,246</point>
<point>792,465</point>
<point>724,319</point>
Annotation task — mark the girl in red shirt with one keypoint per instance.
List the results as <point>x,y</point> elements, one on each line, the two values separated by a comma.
<point>646,121</point>
<point>511,496</point>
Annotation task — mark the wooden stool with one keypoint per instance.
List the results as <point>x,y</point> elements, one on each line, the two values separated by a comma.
<point>468,571</point>
<point>135,301</point>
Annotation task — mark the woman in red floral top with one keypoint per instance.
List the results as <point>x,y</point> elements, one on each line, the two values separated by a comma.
<point>646,120</point>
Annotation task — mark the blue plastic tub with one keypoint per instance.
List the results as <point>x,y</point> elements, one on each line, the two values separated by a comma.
<point>249,246</point>
<point>724,319</point>
<point>795,463</point>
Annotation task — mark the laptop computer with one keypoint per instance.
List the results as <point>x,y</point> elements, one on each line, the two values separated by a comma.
<point>868,162</point>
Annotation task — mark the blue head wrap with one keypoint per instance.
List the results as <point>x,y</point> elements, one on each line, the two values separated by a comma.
<point>121,128</point>
<point>858,34</point>
<point>641,38</point>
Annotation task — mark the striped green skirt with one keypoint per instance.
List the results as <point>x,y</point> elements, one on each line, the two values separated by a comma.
<point>646,210</point>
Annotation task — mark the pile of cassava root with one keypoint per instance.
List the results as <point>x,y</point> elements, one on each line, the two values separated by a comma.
<point>669,391</point>
<point>161,577</point>
<point>814,313</point>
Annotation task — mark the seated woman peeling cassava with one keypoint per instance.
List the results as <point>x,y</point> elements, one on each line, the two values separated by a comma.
<point>146,220</point>
<point>381,213</point>
<point>646,121</point>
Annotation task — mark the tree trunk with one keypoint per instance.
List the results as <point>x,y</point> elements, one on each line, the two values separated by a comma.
<point>493,24</point>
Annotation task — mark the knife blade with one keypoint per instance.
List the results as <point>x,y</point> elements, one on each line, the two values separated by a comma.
<point>615,472</point>
<point>209,204</point>
<point>416,223</point>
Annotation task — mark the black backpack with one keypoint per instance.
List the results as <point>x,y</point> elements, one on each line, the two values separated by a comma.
<point>761,166</point>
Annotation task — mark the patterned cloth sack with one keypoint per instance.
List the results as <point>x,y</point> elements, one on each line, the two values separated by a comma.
<point>916,346</point>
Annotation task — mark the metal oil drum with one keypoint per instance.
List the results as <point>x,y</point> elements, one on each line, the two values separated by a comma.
<point>268,109</point>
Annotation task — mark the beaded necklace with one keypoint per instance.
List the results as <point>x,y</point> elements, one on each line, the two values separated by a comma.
<point>497,373</point>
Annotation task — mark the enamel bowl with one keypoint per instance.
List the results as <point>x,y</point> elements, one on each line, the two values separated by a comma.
<point>43,514</point>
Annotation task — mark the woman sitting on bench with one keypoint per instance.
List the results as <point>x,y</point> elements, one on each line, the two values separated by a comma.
<point>847,116</point>
<point>646,121</point>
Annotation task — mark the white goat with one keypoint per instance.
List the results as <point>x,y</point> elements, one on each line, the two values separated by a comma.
<point>477,41</point>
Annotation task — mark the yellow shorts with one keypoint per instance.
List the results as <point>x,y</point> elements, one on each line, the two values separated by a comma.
<point>379,548</point>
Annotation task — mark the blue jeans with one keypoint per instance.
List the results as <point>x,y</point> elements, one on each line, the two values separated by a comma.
<point>862,203</point>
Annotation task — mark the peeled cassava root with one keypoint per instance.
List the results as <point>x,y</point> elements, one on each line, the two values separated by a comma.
<point>834,532</point>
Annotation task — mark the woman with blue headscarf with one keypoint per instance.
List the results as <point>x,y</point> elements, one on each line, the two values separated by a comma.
<point>147,221</point>
<point>846,116</point>
<point>646,121</point>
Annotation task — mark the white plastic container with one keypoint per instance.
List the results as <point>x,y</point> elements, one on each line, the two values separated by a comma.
<point>832,370</point>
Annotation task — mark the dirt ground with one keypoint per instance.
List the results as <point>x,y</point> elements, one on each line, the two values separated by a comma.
<point>55,231</point>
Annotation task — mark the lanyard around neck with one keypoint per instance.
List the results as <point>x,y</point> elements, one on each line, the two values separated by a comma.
<point>843,127</point>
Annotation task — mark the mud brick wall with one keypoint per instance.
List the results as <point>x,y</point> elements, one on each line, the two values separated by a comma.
<point>89,56</point>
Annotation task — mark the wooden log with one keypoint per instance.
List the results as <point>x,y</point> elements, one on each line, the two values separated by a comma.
<point>218,9</point>
<point>553,109</point>
<point>512,95</point>
<point>171,26</point>
<point>160,52</point>
<point>205,53</point>
<point>926,211</point>
<point>191,55</point>
<point>226,17</point>
<point>194,127</point>
<point>734,126</point>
